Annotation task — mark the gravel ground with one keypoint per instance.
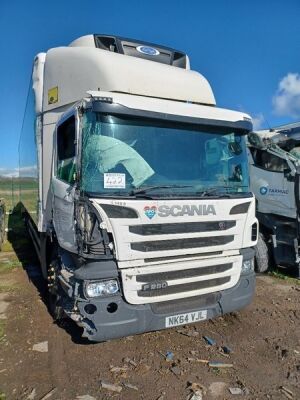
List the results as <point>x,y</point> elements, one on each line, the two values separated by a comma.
<point>41,360</point>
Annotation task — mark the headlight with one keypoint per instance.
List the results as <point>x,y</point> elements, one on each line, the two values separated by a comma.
<point>248,266</point>
<point>101,288</point>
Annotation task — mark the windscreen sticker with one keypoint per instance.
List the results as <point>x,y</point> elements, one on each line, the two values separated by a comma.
<point>53,95</point>
<point>114,181</point>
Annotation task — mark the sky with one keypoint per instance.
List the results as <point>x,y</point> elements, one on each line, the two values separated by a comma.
<point>248,50</point>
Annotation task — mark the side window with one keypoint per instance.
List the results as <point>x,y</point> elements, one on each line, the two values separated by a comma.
<point>66,151</point>
<point>268,161</point>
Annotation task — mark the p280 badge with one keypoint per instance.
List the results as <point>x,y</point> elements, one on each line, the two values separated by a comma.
<point>154,286</point>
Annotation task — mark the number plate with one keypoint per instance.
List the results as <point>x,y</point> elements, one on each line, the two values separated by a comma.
<point>188,318</point>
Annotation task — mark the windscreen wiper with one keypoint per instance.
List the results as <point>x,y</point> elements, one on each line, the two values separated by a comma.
<point>216,191</point>
<point>147,188</point>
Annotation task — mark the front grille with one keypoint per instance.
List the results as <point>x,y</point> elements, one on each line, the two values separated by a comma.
<point>189,227</point>
<point>187,287</point>
<point>190,303</point>
<point>161,245</point>
<point>184,273</point>
<point>169,258</point>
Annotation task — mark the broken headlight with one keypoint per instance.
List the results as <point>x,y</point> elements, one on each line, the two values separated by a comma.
<point>92,240</point>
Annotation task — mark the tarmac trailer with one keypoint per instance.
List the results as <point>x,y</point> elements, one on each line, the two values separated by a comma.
<point>142,215</point>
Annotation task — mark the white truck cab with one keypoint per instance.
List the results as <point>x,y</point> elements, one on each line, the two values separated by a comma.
<point>274,164</point>
<point>145,217</point>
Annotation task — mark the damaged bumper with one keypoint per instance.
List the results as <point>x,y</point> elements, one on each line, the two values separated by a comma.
<point>109,318</point>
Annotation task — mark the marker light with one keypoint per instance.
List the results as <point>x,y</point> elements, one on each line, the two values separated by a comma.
<point>248,266</point>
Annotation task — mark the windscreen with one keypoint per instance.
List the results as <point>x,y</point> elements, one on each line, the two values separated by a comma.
<point>121,155</point>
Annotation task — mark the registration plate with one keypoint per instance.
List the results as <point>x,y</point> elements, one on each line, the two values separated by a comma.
<point>188,318</point>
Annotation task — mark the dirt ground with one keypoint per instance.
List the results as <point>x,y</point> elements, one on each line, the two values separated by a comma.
<point>264,340</point>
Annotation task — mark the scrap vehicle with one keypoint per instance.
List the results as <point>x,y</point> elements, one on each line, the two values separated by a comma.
<point>2,222</point>
<point>143,218</point>
<point>274,163</point>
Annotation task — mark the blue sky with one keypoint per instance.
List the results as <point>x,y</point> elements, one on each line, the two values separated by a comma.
<point>248,50</point>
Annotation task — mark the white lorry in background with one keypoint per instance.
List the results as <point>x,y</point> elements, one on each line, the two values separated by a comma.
<point>274,175</point>
<point>144,218</point>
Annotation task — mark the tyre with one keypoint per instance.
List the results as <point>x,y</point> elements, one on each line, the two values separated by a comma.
<point>54,306</point>
<point>262,256</point>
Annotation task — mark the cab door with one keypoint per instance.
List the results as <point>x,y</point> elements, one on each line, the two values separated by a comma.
<point>273,187</point>
<point>63,181</point>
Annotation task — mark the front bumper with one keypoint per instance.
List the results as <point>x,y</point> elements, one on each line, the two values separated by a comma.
<point>114,318</point>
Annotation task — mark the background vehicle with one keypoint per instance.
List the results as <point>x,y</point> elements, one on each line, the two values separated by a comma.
<point>274,171</point>
<point>143,218</point>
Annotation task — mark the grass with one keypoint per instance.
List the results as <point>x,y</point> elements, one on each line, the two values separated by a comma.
<point>8,263</point>
<point>15,244</point>
<point>17,241</point>
<point>2,331</point>
<point>16,250</point>
<point>28,197</point>
<point>7,288</point>
<point>7,247</point>
<point>280,275</point>
<point>8,183</point>
<point>7,266</point>
<point>10,191</point>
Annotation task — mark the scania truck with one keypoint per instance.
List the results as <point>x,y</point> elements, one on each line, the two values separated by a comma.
<point>141,212</point>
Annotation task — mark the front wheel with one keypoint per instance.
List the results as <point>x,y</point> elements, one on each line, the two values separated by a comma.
<point>54,306</point>
<point>262,256</point>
